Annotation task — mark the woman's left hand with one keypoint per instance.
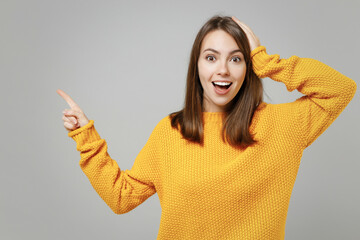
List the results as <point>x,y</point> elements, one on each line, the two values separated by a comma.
<point>253,39</point>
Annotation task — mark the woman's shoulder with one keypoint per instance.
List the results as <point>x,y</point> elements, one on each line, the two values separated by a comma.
<point>262,106</point>
<point>165,122</point>
<point>164,125</point>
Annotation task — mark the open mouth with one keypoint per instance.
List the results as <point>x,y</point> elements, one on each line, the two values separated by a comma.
<point>222,85</point>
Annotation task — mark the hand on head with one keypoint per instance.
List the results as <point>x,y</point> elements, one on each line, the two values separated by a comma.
<point>74,117</point>
<point>253,39</point>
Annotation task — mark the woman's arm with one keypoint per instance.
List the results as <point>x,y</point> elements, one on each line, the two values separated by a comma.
<point>121,190</point>
<point>327,91</point>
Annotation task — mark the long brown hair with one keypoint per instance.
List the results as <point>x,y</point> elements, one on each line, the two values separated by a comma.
<point>241,109</point>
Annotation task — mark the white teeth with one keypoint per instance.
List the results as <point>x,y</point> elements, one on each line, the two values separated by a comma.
<point>222,83</point>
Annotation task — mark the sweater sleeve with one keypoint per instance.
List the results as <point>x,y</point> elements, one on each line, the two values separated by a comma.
<point>326,91</point>
<point>121,190</point>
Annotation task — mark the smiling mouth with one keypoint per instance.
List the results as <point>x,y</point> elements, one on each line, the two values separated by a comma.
<point>222,85</point>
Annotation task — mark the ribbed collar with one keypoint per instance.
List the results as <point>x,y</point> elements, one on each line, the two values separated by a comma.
<point>213,116</point>
<point>218,117</point>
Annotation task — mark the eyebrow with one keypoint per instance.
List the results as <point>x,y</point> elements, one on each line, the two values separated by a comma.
<point>213,50</point>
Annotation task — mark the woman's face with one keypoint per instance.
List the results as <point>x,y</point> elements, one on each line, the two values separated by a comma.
<point>222,70</point>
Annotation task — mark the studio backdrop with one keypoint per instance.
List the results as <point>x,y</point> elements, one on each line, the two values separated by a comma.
<point>125,64</point>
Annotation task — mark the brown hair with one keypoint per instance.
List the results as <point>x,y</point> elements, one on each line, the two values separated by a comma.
<point>240,110</point>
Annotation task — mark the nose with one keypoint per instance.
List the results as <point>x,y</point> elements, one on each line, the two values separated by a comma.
<point>223,69</point>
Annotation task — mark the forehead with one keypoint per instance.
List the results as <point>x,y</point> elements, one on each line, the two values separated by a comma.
<point>219,39</point>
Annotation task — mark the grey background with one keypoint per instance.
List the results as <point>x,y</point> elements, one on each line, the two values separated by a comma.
<point>125,64</point>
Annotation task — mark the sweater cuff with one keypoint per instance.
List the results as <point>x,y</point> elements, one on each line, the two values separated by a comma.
<point>259,59</point>
<point>257,50</point>
<point>85,134</point>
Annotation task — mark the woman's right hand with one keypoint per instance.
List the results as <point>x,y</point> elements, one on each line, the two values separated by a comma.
<point>74,117</point>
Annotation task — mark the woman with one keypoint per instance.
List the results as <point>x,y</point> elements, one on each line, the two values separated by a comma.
<point>225,165</point>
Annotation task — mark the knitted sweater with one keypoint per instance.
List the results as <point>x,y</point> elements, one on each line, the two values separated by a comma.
<point>217,191</point>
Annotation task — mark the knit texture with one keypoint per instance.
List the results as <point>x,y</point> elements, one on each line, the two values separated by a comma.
<point>217,191</point>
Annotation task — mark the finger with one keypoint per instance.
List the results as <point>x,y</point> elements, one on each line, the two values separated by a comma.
<point>242,25</point>
<point>236,20</point>
<point>65,119</point>
<point>71,120</point>
<point>71,112</point>
<point>69,126</point>
<point>247,29</point>
<point>68,99</point>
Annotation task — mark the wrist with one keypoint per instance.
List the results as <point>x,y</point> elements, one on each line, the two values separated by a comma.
<point>257,50</point>
<point>260,59</point>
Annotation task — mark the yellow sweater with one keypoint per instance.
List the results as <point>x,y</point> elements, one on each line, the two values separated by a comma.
<point>217,191</point>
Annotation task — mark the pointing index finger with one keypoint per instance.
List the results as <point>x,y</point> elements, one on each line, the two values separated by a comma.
<point>68,99</point>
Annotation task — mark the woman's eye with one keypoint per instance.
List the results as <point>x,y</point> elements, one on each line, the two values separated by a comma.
<point>210,58</point>
<point>236,59</point>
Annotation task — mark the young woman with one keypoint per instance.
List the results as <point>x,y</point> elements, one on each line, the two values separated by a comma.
<point>225,165</point>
